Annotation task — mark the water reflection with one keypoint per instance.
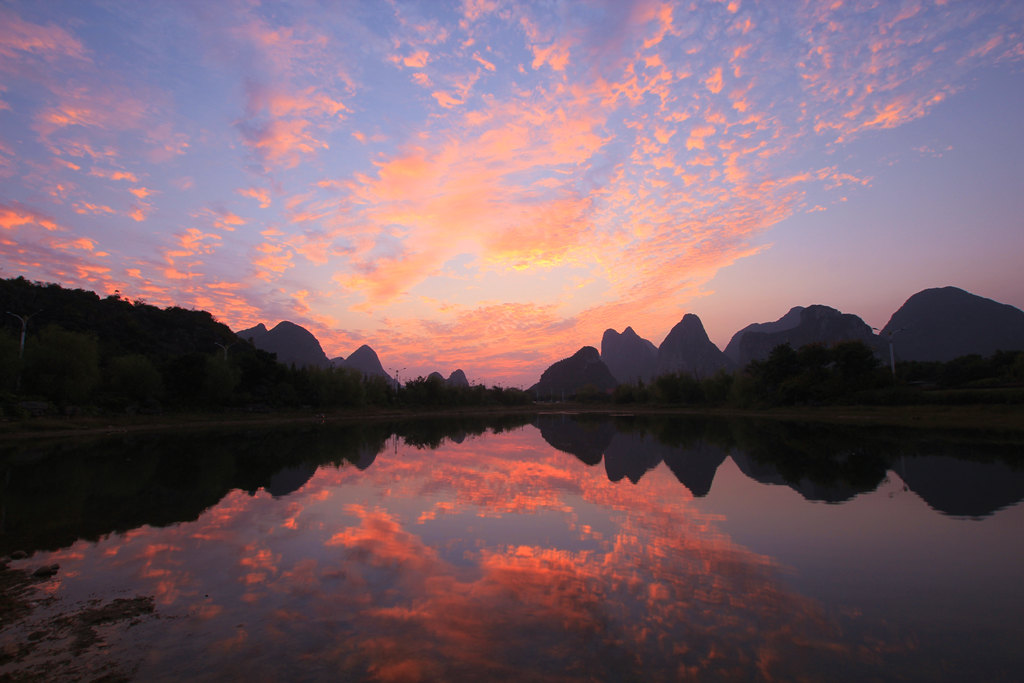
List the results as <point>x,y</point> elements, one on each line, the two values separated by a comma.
<point>464,553</point>
<point>954,475</point>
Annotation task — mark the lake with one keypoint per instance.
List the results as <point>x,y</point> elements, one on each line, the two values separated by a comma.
<point>551,548</point>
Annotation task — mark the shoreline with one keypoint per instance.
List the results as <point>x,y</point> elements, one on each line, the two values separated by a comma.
<point>1002,418</point>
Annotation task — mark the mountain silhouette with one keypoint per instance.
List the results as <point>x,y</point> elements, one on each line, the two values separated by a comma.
<point>631,455</point>
<point>818,325</point>
<point>569,375</point>
<point>365,360</point>
<point>963,488</point>
<point>628,356</point>
<point>688,349</point>
<point>290,479</point>
<point>695,466</point>
<point>786,322</point>
<point>943,323</point>
<point>587,440</point>
<point>457,379</point>
<point>293,344</point>
<point>828,490</point>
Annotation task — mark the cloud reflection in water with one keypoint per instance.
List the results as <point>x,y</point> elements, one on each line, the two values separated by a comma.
<point>499,557</point>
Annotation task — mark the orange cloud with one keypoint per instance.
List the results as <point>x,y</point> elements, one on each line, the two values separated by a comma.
<point>114,175</point>
<point>13,216</point>
<point>417,60</point>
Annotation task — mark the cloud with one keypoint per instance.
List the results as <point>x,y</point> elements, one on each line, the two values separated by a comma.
<point>49,41</point>
<point>114,175</point>
<point>584,168</point>
<point>14,216</point>
<point>259,194</point>
<point>283,142</point>
<point>417,60</point>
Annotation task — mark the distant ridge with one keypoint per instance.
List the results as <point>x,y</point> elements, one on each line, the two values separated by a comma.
<point>943,323</point>
<point>786,322</point>
<point>628,356</point>
<point>293,344</point>
<point>457,379</point>
<point>818,325</point>
<point>687,349</point>
<point>365,360</point>
<point>569,375</point>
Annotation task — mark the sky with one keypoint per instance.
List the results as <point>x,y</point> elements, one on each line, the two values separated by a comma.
<point>489,185</point>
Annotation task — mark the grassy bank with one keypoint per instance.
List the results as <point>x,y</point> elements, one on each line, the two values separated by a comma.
<point>961,417</point>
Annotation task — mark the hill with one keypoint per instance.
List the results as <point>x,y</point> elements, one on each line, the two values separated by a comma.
<point>944,323</point>
<point>293,344</point>
<point>818,325</point>
<point>628,356</point>
<point>687,349</point>
<point>569,375</point>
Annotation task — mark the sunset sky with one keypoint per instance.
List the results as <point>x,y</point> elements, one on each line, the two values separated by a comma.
<point>489,185</point>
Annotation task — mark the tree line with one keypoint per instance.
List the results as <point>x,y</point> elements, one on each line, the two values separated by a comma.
<point>71,349</point>
<point>843,373</point>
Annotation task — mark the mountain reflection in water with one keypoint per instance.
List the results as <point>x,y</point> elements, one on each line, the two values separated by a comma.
<point>468,551</point>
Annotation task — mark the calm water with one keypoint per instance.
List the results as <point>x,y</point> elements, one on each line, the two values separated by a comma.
<point>558,549</point>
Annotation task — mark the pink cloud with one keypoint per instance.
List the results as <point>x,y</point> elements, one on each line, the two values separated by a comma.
<point>259,194</point>
<point>284,142</point>
<point>49,42</point>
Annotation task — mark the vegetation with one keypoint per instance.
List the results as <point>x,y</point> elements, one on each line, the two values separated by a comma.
<point>82,352</point>
<point>847,373</point>
<point>72,351</point>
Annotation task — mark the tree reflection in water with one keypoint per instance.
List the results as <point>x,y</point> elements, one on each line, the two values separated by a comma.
<point>454,552</point>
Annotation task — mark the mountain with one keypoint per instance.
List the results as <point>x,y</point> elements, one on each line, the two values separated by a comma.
<point>628,356</point>
<point>293,344</point>
<point>943,323</point>
<point>786,322</point>
<point>457,379</point>
<point>818,325</point>
<point>688,349</point>
<point>365,360</point>
<point>569,375</point>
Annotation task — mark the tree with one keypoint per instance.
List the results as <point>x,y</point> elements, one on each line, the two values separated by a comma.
<point>134,377</point>
<point>63,366</point>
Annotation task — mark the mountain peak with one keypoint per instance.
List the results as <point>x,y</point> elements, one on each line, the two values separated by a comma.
<point>688,349</point>
<point>457,379</point>
<point>365,360</point>
<point>942,323</point>
<point>293,344</point>
<point>816,324</point>
<point>569,375</point>
<point>628,356</point>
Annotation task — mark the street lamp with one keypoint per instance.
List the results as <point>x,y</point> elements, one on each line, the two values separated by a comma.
<point>24,324</point>
<point>225,348</point>
<point>892,355</point>
<point>21,345</point>
<point>397,376</point>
